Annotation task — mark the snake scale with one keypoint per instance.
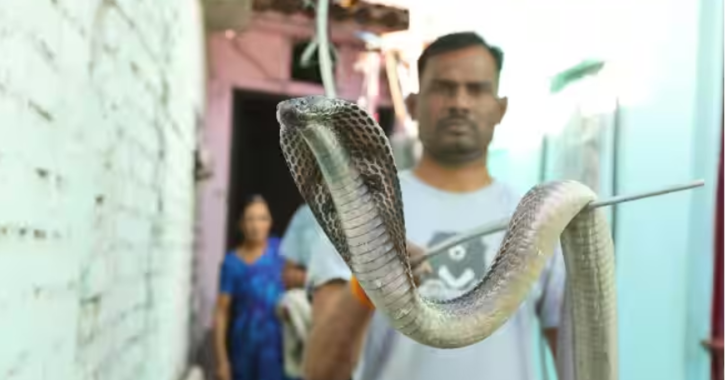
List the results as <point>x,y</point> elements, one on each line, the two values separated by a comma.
<point>342,164</point>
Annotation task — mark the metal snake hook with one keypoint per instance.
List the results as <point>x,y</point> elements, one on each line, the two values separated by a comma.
<point>501,225</point>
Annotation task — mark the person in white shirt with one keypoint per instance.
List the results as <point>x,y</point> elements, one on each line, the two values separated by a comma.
<point>294,308</point>
<point>448,192</point>
<point>296,244</point>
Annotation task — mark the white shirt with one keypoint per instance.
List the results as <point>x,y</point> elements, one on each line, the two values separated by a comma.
<point>299,237</point>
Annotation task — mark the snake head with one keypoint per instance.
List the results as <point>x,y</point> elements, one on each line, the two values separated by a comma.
<point>301,112</point>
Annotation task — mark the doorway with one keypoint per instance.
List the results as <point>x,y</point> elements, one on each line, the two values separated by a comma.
<point>257,165</point>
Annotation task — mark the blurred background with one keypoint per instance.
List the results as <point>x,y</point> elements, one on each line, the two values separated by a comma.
<point>131,132</point>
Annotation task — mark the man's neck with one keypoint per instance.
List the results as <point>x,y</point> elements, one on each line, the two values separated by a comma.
<point>461,179</point>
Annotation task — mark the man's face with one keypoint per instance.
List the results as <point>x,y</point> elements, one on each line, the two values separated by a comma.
<point>458,106</point>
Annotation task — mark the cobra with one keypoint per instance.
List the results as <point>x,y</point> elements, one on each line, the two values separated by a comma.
<point>343,166</point>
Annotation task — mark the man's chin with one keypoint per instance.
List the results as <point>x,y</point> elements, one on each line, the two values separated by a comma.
<point>457,157</point>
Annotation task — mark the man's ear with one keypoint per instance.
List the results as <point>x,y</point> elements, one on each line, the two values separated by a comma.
<point>503,104</point>
<point>411,102</point>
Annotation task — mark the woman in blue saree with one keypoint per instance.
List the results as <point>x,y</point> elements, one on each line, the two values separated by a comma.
<point>248,334</point>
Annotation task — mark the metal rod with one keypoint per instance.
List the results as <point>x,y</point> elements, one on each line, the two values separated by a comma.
<point>634,197</point>
<point>501,225</point>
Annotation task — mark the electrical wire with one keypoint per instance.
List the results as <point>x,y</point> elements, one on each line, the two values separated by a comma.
<point>323,49</point>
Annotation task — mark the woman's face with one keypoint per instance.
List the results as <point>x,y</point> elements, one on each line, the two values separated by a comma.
<point>256,222</point>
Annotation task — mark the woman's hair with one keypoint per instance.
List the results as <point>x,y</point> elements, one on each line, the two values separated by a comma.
<point>252,199</point>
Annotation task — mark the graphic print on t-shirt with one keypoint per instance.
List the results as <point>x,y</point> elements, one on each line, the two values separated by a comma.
<point>457,270</point>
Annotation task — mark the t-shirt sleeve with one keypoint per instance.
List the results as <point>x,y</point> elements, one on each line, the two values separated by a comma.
<point>226,278</point>
<point>299,236</point>
<point>292,244</point>
<point>325,263</point>
<point>552,281</point>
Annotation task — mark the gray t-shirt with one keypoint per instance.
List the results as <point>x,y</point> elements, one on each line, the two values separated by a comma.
<point>432,215</point>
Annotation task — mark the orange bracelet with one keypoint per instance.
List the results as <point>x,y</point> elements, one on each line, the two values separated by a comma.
<point>359,293</point>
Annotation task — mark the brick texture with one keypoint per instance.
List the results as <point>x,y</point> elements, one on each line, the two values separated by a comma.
<point>99,109</point>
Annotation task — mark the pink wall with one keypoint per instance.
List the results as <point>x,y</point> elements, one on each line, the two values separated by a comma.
<point>257,59</point>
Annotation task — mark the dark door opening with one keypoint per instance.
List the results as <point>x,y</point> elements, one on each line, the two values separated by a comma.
<point>257,165</point>
<point>311,72</point>
<point>386,119</point>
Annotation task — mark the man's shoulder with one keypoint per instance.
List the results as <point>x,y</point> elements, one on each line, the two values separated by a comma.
<point>508,189</point>
<point>408,180</point>
<point>299,221</point>
<point>303,213</point>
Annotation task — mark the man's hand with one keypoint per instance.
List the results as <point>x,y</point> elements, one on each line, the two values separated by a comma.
<point>416,253</point>
<point>289,278</point>
<point>293,276</point>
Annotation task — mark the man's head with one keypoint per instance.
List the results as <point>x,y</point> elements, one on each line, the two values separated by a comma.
<point>457,107</point>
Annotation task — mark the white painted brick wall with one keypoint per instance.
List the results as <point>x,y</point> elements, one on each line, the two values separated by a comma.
<point>99,102</point>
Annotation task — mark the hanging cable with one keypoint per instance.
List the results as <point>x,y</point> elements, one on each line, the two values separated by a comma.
<point>395,91</point>
<point>323,49</point>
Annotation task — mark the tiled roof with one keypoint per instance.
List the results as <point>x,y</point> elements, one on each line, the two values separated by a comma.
<point>362,12</point>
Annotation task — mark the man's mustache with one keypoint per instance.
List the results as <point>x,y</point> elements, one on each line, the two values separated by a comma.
<point>443,123</point>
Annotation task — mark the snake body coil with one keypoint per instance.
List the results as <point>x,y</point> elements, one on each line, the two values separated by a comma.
<point>343,166</point>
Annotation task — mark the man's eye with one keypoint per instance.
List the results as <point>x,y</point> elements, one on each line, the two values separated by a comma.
<point>479,89</point>
<point>444,88</point>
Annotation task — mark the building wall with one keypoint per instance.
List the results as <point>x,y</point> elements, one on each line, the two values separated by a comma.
<point>257,60</point>
<point>99,102</point>
<point>670,64</point>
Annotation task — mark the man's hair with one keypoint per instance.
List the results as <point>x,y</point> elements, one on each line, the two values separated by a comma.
<point>457,41</point>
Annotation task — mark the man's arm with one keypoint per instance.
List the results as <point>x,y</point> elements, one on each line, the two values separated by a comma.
<point>339,324</point>
<point>339,320</point>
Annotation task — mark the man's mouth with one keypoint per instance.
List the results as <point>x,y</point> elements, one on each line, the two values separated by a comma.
<point>455,123</point>
<point>456,127</point>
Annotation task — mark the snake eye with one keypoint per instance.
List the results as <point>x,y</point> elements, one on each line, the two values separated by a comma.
<point>289,113</point>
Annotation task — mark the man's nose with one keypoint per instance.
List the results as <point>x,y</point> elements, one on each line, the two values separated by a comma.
<point>460,101</point>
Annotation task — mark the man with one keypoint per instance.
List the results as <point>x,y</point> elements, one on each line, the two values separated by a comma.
<point>449,191</point>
